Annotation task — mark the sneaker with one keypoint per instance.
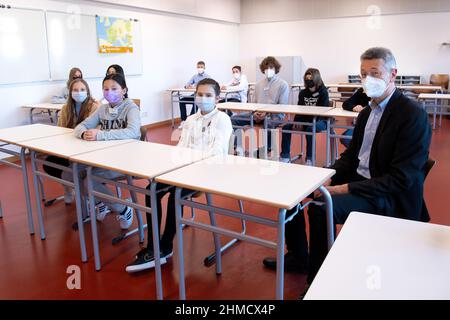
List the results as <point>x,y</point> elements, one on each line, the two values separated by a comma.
<point>145,260</point>
<point>126,219</point>
<point>292,263</point>
<point>309,163</point>
<point>285,160</point>
<point>101,211</point>
<point>69,195</point>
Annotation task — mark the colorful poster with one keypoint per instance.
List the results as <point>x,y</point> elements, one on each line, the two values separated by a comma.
<point>115,35</point>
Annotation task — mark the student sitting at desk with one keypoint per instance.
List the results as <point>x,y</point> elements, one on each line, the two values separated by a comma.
<point>314,94</point>
<point>239,82</point>
<point>79,106</point>
<point>191,84</point>
<point>356,103</point>
<point>208,130</point>
<point>75,73</point>
<point>117,120</point>
<point>270,90</point>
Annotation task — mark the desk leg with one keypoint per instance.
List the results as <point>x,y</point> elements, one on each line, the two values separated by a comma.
<point>216,236</point>
<point>434,114</point>
<point>91,210</point>
<point>328,142</point>
<point>441,108</point>
<point>280,254</point>
<point>171,108</point>
<point>37,194</point>
<point>155,234</point>
<point>26,188</point>
<point>77,188</point>
<point>1,210</point>
<point>265,135</point>
<point>330,221</point>
<point>31,115</point>
<point>179,235</point>
<point>313,156</point>
<point>50,115</point>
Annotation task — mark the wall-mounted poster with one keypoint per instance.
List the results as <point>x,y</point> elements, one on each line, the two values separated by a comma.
<point>115,35</point>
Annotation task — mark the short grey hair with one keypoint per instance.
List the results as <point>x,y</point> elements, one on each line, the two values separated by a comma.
<point>380,53</point>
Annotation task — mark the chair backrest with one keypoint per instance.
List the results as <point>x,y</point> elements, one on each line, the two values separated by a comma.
<point>419,91</point>
<point>143,128</point>
<point>440,80</point>
<point>428,165</point>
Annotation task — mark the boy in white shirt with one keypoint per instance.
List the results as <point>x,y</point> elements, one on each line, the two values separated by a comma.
<point>208,130</point>
<point>238,82</point>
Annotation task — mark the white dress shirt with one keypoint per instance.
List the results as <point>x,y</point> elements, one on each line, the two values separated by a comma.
<point>210,133</point>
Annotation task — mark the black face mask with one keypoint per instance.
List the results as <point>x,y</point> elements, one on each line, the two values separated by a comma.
<point>309,83</point>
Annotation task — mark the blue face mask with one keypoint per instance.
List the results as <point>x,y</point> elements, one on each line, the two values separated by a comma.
<point>205,104</point>
<point>79,96</point>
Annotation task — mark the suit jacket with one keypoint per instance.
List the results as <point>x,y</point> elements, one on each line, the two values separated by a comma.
<point>397,159</point>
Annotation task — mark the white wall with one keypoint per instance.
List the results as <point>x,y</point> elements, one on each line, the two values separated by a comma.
<point>334,45</point>
<point>225,10</point>
<point>171,47</point>
<point>253,11</point>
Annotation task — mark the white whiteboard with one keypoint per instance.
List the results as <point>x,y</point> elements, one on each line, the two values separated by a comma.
<point>73,42</point>
<point>23,46</point>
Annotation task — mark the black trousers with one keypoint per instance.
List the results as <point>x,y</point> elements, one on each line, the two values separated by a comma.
<point>166,239</point>
<point>296,240</point>
<point>54,172</point>
<point>183,102</point>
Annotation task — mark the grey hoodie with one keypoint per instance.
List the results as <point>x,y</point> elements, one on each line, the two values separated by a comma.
<point>123,123</point>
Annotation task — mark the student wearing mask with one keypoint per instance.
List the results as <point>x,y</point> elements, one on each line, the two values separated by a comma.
<point>314,94</point>
<point>238,82</point>
<point>75,73</point>
<point>382,172</point>
<point>191,84</point>
<point>209,130</point>
<point>117,120</point>
<point>356,103</point>
<point>269,90</point>
<point>79,106</point>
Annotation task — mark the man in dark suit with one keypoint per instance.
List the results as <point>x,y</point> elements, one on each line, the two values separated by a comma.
<point>382,171</point>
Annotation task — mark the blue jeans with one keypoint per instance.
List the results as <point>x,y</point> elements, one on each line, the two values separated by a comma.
<point>321,125</point>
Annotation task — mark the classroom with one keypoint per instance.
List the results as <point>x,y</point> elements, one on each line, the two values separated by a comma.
<point>224,150</point>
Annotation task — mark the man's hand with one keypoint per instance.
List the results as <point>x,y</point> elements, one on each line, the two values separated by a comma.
<point>90,135</point>
<point>317,193</point>
<point>336,190</point>
<point>358,108</point>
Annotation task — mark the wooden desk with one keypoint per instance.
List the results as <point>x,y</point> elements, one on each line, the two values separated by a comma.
<point>376,257</point>
<point>276,184</point>
<point>16,135</point>
<point>136,159</point>
<point>48,107</point>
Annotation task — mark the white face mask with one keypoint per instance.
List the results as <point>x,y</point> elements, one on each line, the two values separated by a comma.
<point>205,104</point>
<point>200,70</point>
<point>237,76</point>
<point>269,73</point>
<point>374,87</point>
